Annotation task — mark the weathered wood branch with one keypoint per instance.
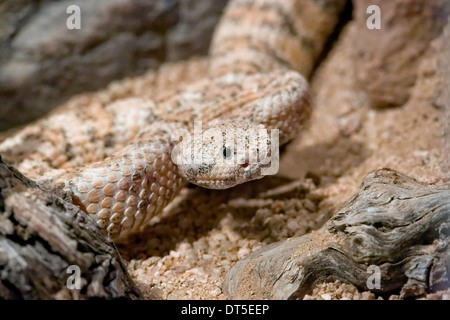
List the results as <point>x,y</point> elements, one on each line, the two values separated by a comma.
<point>41,235</point>
<point>393,222</point>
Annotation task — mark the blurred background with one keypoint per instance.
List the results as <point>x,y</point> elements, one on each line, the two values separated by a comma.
<point>42,62</point>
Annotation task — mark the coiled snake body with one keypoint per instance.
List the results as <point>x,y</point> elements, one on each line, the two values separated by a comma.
<point>115,157</point>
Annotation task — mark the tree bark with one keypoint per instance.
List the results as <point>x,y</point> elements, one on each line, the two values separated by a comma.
<point>393,223</point>
<point>41,235</point>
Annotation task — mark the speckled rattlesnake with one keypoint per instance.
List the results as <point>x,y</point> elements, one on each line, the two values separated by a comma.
<point>112,150</point>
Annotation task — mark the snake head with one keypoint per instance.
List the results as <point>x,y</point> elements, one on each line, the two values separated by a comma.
<point>225,154</point>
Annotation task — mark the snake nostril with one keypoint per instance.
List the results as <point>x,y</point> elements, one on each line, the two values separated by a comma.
<point>244,165</point>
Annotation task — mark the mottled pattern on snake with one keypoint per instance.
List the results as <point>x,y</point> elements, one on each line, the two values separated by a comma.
<point>111,150</point>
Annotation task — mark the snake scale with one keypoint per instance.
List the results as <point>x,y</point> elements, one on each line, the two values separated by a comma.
<point>113,155</point>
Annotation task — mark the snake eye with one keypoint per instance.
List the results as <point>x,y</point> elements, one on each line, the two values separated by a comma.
<point>226,152</point>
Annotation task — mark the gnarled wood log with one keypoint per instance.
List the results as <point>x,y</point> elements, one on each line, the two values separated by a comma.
<point>41,235</point>
<point>393,222</point>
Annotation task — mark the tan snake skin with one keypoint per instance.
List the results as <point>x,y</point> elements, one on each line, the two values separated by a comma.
<point>112,150</point>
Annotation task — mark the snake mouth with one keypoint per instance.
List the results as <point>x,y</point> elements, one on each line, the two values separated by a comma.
<point>246,172</point>
<point>220,184</point>
<point>217,184</point>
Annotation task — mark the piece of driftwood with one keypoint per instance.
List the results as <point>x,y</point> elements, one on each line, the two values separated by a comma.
<point>393,225</point>
<point>44,242</point>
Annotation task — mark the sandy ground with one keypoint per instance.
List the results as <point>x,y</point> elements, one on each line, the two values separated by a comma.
<point>186,254</point>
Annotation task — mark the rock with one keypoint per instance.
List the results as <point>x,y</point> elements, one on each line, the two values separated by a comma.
<point>45,239</point>
<point>394,228</point>
<point>42,62</point>
<point>387,59</point>
<point>442,100</point>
